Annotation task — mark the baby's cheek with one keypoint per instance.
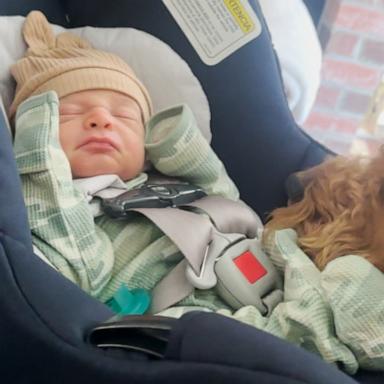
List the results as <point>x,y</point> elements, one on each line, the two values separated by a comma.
<point>68,136</point>
<point>67,145</point>
<point>63,136</point>
<point>80,167</point>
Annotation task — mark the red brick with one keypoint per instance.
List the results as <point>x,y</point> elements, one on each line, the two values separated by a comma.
<point>373,51</point>
<point>354,102</point>
<point>350,74</point>
<point>327,97</point>
<point>329,121</point>
<point>317,121</point>
<point>342,43</point>
<point>360,19</point>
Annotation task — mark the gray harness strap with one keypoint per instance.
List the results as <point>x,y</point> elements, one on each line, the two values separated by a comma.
<point>229,216</point>
<point>171,289</point>
<point>190,232</point>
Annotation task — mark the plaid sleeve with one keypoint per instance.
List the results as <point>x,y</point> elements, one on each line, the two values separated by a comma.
<point>182,151</point>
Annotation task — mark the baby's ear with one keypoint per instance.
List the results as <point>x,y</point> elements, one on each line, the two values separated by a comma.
<point>38,33</point>
<point>69,40</point>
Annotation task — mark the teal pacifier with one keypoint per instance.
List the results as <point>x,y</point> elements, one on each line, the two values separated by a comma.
<point>129,302</point>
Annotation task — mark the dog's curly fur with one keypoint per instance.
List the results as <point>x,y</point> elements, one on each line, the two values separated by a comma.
<point>341,212</point>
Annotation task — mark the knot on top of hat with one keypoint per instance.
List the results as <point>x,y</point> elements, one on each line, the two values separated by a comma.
<point>38,33</point>
<point>39,36</point>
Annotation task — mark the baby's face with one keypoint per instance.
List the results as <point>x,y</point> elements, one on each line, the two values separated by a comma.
<point>102,132</point>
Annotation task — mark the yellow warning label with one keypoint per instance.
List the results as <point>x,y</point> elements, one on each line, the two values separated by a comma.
<point>240,14</point>
<point>215,28</point>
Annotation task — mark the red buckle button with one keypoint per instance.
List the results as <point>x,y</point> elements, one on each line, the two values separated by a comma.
<point>250,267</point>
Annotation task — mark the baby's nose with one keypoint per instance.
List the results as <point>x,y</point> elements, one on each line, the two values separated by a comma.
<point>98,119</point>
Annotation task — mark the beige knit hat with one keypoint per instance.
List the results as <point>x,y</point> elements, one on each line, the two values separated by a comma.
<point>68,64</point>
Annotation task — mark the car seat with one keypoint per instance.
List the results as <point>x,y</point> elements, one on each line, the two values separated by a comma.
<point>51,331</point>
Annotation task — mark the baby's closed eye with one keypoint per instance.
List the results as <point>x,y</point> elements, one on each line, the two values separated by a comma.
<point>66,109</point>
<point>126,113</point>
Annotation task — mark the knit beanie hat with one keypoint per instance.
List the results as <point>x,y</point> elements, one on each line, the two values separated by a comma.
<point>68,64</point>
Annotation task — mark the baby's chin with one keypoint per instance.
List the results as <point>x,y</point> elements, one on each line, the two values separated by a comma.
<point>91,171</point>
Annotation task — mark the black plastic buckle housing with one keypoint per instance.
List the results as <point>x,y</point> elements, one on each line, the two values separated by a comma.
<point>148,334</point>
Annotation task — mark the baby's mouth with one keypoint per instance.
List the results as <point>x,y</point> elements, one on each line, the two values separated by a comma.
<point>99,144</point>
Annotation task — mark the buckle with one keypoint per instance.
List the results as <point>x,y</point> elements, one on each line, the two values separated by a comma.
<point>246,276</point>
<point>206,278</point>
<point>147,334</point>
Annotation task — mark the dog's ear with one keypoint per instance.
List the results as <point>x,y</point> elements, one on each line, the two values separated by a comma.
<point>296,183</point>
<point>294,188</point>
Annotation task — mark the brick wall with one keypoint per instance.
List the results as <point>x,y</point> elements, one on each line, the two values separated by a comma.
<point>352,36</point>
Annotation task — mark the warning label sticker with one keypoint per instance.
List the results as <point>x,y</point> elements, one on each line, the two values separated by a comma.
<point>215,28</point>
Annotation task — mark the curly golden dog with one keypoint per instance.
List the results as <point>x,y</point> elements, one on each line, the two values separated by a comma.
<point>341,211</point>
